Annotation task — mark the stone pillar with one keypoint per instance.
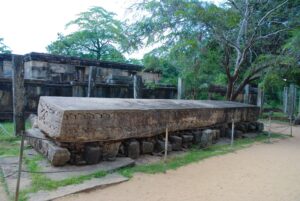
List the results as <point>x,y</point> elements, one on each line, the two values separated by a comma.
<point>180,89</point>
<point>137,87</point>
<point>246,94</point>
<point>91,81</point>
<point>77,89</point>
<point>18,94</point>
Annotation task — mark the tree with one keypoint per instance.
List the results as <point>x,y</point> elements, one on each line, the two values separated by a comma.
<point>3,48</point>
<point>99,36</point>
<point>247,32</point>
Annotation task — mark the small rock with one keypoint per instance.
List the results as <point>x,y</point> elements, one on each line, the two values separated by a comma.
<point>147,147</point>
<point>259,127</point>
<point>187,141</point>
<point>223,130</point>
<point>216,135</point>
<point>206,138</point>
<point>236,134</point>
<point>110,150</point>
<point>187,138</point>
<point>160,146</point>
<point>176,142</point>
<point>92,154</point>
<point>252,127</point>
<point>133,149</point>
<point>242,127</point>
<point>197,136</point>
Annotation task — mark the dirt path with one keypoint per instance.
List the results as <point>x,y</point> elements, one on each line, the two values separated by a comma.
<point>268,172</point>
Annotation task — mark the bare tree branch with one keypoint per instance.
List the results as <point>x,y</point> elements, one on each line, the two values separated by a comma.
<point>273,33</point>
<point>270,12</point>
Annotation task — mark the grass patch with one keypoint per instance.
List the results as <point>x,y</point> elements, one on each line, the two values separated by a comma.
<point>41,182</point>
<point>194,155</point>
<point>10,144</point>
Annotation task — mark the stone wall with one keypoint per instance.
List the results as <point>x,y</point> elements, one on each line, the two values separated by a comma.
<point>51,75</point>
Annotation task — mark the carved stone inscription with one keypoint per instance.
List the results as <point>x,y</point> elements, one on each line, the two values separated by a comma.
<point>109,125</point>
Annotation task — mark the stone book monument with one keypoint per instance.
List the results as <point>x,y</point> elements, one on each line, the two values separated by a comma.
<point>88,130</point>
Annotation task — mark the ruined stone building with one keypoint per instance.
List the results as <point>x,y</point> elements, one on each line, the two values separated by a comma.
<point>52,75</point>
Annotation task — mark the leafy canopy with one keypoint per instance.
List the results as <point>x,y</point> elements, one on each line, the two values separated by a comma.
<point>99,36</point>
<point>3,48</point>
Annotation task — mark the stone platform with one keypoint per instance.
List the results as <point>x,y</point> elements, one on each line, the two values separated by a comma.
<point>73,119</point>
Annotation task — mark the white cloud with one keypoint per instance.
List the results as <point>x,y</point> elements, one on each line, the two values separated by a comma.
<point>29,26</point>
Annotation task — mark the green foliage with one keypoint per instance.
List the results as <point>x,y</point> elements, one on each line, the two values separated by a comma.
<point>99,36</point>
<point>210,44</point>
<point>3,48</point>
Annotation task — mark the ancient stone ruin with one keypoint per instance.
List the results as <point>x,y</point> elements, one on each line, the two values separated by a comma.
<point>88,130</point>
<point>52,75</point>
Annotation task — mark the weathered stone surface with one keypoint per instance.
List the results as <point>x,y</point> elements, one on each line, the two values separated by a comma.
<point>252,126</point>
<point>236,133</point>
<point>133,149</point>
<point>259,127</point>
<point>32,119</point>
<point>176,142</point>
<point>206,138</point>
<point>160,146</point>
<point>110,150</point>
<point>58,156</point>
<point>242,127</point>
<point>72,119</point>
<point>187,138</point>
<point>216,135</point>
<point>223,129</point>
<point>197,136</point>
<point>147,147</point>
<point>92,154</point>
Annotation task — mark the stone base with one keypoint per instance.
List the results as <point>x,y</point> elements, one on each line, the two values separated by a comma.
<point>57,155</point>
<point>94,152</point>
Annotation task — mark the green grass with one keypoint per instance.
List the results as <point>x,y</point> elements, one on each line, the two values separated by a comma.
<point>9,144</point>
<point>194,155</point>
<point>41,182</point>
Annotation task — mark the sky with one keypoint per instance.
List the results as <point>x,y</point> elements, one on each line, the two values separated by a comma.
<point>30,25</point>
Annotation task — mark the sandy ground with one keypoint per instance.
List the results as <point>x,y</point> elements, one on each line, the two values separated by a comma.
<point>262,172</point>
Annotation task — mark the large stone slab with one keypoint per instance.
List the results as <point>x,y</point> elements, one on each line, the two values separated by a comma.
<point>74,119</point>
